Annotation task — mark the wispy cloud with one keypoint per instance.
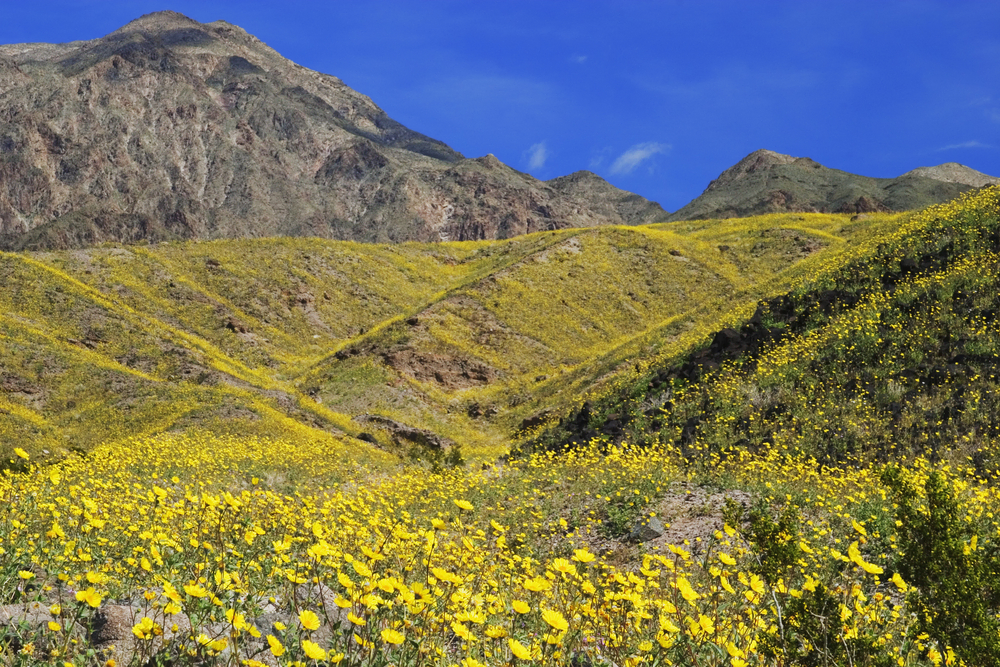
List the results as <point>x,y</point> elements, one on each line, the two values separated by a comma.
<point>579,60</point>
<point>537,155</point>
<point>965,144</point>
<point>598,157</point>
<point>636,155</point>
<point>468,94</point>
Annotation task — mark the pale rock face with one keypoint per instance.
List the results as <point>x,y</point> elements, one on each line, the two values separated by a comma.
<point>172,129</point>
<point>953,172</point>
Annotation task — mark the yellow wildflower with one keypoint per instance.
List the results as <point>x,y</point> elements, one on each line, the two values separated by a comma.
<point>313,650</point>
<point>519,650</point>
<point>390,636</point>
<point>555,619</point>
<point>309,620</point>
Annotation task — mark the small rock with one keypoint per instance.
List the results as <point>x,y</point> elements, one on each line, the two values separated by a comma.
<point>647,530</point>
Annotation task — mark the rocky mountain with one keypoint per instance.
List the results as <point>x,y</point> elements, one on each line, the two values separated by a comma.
<point>768,182</point>
<point>172,129</point>
<point>953,172</point>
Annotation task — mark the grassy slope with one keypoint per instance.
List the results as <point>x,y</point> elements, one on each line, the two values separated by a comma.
<point>889,349</point>
<point>243,336</point>
<point>905,313</point>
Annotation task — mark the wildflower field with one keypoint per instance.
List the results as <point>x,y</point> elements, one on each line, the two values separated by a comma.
<point>225,551</point>
<point>801,470</point>
<point>293,338</point>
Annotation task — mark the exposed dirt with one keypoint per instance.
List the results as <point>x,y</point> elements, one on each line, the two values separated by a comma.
<point>403,435</point>
<point>692,515</point>
<point>451,373</point>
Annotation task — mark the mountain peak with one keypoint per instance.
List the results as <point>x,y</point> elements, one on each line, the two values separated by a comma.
<point>169,128</point>
<point>770,182</point>
<point>953,172</point>
<point>759,160</point>
<point>158,22</point>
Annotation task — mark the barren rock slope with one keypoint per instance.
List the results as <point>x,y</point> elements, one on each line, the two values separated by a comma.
<point>169,128</point>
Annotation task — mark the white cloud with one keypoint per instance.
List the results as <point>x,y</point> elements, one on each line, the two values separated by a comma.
<point>636,155</point>
<point>537,155</point>
<point>597,158</point>
<point>464,96</point>
<point>965,144</point>
<point>579,60</point>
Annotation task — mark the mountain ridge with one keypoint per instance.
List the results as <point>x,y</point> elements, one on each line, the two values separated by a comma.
<point>168,128</point>
<point>769,182</point>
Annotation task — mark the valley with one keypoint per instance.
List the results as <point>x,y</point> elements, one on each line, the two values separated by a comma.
<point>284,382</point>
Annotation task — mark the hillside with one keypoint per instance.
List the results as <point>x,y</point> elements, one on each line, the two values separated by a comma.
<point>768,182</point>
<point>799,470</point>
<point>171,129</point>
<point>453,342</point>
<point>887,351</point>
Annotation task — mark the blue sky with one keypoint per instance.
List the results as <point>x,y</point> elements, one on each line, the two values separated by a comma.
<point>657,97</point>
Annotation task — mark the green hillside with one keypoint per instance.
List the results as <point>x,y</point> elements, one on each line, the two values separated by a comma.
<point>768,441</point>
<point>286,337</point>
<point>887,350</point>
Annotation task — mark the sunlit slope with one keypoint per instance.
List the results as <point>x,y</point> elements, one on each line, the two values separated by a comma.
<point>890,348</point>
<point>538,333</point>
<point>81,366</point>
<point>298,336</point>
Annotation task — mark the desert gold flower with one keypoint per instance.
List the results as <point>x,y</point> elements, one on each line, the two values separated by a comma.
<point>555,619</point>
<point>362,569</point>
<point>195,590</point>
<point>462,630</point>
<point>90,596</point>
<point>277,648</point>
<point>687,591</point>
<point>538,584</point>
<point>519,650</point>
<point>390,636</point>
<point>144,628</point>
<point>496,632</point>
<point>309,620</point>
<point>313,650</point>
<point>854,553</point>
<point>564,566</point>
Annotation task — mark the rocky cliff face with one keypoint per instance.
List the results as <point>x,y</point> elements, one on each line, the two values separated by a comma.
<point>168,128</point>
<point>769,182</point>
